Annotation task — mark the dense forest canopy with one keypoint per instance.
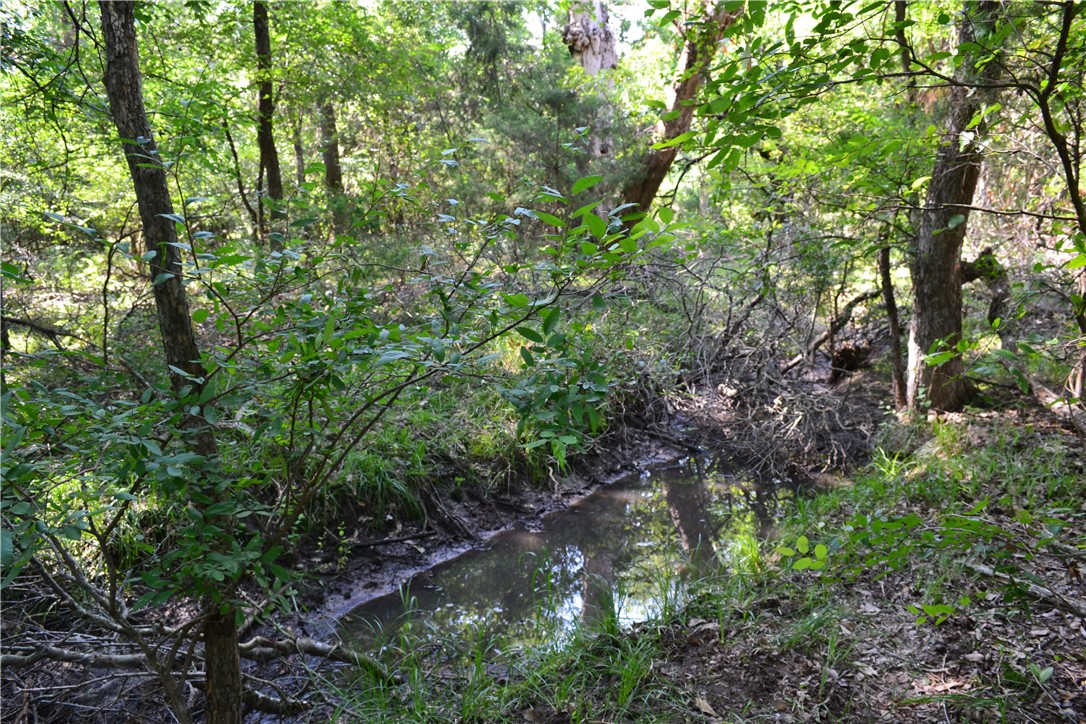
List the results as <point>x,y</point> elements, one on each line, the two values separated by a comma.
<point>276,269</point>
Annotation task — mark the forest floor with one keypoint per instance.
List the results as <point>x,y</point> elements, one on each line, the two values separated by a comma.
<point>974,522</point>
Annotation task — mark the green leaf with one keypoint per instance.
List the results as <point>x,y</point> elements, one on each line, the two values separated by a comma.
<point>517,300</point>
<point>821,552</point>
<point>550,219</point>
<point>527,357</point>
<point>200,315</point>
<point>585,183</point>
<point>934,360</point>
<point>551,320</point>
<point>12,272</point>
<point>802,544</point>
<point>1077,262</point>
<point>530,334</point>
<point>596,225</point>
<point>955,221</point>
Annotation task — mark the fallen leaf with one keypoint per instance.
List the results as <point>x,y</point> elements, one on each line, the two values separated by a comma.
<point>704,706</point>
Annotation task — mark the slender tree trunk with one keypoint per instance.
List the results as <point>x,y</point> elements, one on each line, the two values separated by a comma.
<point>897,361</point>
<point>124,83</point>
<point>936,270</point>
<point>265,137</point>
<point>701,44</point>
<point>333,170</point>
<point>1069,152</point>
<point>299,151</point>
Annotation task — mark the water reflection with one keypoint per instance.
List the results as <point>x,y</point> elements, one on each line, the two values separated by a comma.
<point>616,558</point>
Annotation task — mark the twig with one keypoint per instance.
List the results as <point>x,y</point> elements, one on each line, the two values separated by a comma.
<point>1045,594</point>
<point>398,539</point>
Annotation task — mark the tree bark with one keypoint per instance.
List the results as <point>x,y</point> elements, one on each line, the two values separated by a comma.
<point>124,86</point>
<point>702,40</point>
<point>936,270</point>
<point>224,688</point>
<point>299,151</point>
<point>333,170</point>
<point>897,361</point>
<point>265,136</point>
<point>592,44</point>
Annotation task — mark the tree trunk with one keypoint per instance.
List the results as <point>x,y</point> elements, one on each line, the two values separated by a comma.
<point>333,170</point>
<point>124,86</point>
<point>299,151</point>
<point>702,40</point>
<point>265,137</point>
<point>936,270</point>
<point>592,44</point>
<point>897,363</point>
<point>223,668</point>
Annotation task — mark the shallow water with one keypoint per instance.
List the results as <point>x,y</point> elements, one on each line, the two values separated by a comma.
<point>625,552</point>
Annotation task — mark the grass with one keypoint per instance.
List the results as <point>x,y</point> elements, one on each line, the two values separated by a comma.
<point>783,640</point>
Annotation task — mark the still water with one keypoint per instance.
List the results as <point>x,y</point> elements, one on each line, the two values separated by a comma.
<point>627,551</point>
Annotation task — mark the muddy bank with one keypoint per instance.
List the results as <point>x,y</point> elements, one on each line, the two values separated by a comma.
<point>343,580</point>
<point>712,420</point>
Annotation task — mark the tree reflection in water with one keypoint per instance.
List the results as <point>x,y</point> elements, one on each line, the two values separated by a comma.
<point>618,557</point>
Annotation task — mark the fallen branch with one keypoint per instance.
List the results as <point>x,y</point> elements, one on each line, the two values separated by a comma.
<point>836,326</point>
<point>1045,594</point>
<point>261,648</point>
<point>53,653</point>
<point>398,539</point>
<point>255,701</point>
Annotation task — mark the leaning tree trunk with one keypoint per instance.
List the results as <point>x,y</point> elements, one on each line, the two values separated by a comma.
<point>702,40</point>
<point>124,85</point>
<point>265,137</point>
<point>936,269</point>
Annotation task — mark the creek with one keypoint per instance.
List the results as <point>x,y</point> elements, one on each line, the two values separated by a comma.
<point>628,552</point>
